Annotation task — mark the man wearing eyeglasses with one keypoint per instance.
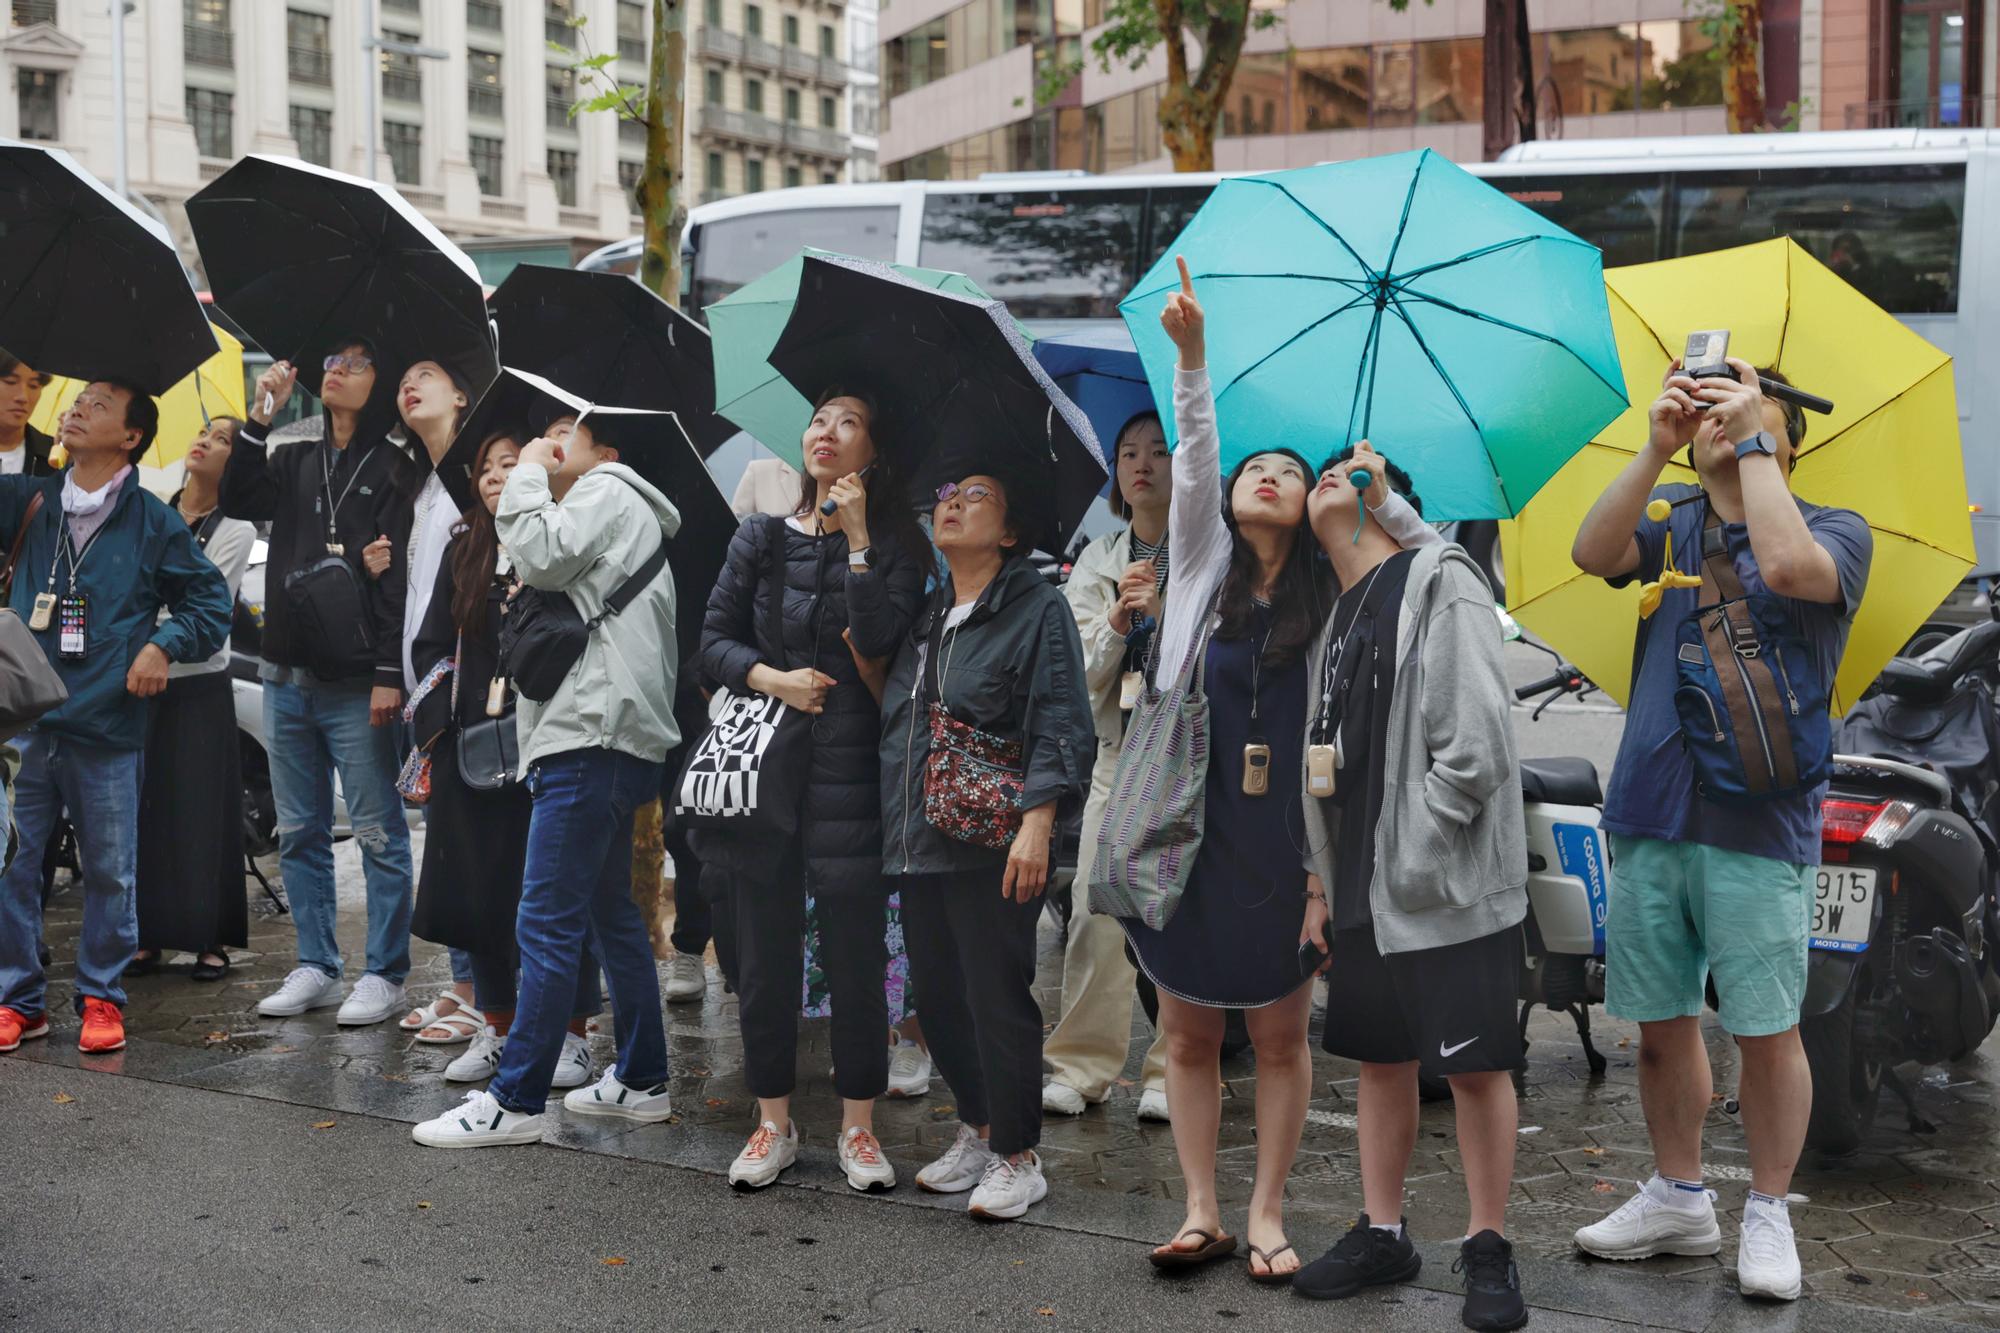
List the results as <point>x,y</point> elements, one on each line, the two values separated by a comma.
<point>333,664</point>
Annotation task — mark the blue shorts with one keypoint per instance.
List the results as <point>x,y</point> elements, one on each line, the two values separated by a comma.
<point>1681,912</point>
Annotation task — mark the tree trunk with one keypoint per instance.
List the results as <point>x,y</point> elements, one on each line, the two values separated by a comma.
<point>1187,128</point>
<point>1524,73</point>
<point>1508,87</point>
<point>659,193</point>
<point>1743,80</point>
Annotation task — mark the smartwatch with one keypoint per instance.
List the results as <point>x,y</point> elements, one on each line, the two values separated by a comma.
<point>859,560</point>
<point>1760,443</point>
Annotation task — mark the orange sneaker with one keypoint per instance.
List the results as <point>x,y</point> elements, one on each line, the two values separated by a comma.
<point>103,1027</point>
<point>16,1027</point>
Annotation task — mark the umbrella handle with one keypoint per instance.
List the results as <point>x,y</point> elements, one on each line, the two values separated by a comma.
<point>1360,479</point>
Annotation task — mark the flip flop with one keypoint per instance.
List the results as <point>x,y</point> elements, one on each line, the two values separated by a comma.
<point>1214,1247</point>
<point>1270,1277</point>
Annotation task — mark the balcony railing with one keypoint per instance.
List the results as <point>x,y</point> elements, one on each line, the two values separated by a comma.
<point>558,31</point>
<point>215,47</point>
<point>406,6</point>
<point>310,64</point>
<point>710,196</point>
<point>558,110</point>
<point>484,101</point>
<point>819,142</point>
<point>632,48</point>
<point>804,65</point>
<point>632,131</point>
<point>398,86</point>
<point>483,14</point>
<point>718,44</point>
<point>27,13</point>
<point>767,55</point>
<point>1933,113</point>
<point>748,126</point>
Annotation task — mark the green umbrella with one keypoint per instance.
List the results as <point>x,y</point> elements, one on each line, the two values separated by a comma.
<point>745,326</point>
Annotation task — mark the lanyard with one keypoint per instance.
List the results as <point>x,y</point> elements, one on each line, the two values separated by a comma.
<point>1330,673</point>
<point>326,487</point>
<point>67,547</point>
<point>1257,670</point>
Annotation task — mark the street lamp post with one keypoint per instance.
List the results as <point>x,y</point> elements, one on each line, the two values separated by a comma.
<point>372,42</point>
<point>121,172</point>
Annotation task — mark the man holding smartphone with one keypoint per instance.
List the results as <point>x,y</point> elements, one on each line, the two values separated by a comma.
<point>1702,888</point>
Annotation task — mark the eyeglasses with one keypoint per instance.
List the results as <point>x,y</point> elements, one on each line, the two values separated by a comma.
<point>977,493</point>
<point>352,362</point>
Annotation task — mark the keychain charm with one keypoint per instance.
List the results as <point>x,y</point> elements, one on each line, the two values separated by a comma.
<point>336,548</point>
<point>496,697</point>
<point>1130,686</point>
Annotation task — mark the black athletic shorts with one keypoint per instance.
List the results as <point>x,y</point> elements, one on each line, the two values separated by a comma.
<point>1455,1009</point>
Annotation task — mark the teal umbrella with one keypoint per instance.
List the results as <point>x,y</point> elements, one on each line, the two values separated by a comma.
<point>745,326</point>
<point>1399,300</point>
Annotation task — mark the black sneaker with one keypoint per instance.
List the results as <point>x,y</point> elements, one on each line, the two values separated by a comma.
<point>1492,1283</point>
<point>1365,1257</point>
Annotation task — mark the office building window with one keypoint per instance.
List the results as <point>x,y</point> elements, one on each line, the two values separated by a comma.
<point>753,20</point>
<point>712,172</point>
<point>308,52</point>
<point>1450,77</point>
<point>40,117</point>
<point>791,30</point>
<point>27,13</point>
<point>213,116</point>
<point>487,155</point>
<point>792,177</point>
<point>1329,91</point>
<point>791,106</point>
<point>827,50</point>
<point>483,96</point>
<point>483,15</point>
<point>753,95</point>
<point>312,130</point>
<point>711,13</point>
<point>827,113</point>
<point>1258,97</point>
<point>206,33</point>
<point>405,146</point>
<point>711,85</point>
<point>562,170</point>
<point>560,95</point>
<point>827,178</point>
<point>631,31</point>
<point>753,174</point>
<point>402,77</point>
<point>556,23</point>
<point>629,173</point>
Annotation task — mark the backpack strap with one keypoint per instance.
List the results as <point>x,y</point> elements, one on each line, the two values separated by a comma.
<point>20,540</point>
<point>623,596</point>
<point>1750,692</point>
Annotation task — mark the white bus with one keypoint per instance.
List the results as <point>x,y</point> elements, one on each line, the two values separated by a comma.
<point>1911,217</point>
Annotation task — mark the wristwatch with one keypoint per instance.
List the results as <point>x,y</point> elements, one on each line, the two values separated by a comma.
<point>1760,443</point>
<point>859,559</point>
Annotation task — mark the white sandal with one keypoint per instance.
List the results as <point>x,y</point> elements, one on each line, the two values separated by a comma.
<point>418,1020</point>
<point>463,1023</point>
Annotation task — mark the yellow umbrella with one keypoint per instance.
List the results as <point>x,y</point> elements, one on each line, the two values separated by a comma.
<point>215,389</point>
<point>1889,451</point>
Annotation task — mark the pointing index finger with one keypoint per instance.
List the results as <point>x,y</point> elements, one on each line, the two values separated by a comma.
<point>1187,279</point>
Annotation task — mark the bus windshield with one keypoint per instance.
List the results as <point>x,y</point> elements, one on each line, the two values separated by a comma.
<point>730,252</point>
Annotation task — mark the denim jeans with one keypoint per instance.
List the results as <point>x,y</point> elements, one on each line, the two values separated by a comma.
<point>496,989</point>
<point>310,732</point>
<point>100,788</point>
<point>578,888</point>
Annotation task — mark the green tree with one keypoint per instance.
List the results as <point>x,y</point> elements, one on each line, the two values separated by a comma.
<point>659,106</point>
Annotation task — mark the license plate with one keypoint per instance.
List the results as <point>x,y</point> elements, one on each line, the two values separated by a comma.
<point>1843,908</point>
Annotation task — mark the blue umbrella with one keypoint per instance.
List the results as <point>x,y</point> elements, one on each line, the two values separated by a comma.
<point>1400,300</point>
<point>1100,371</point>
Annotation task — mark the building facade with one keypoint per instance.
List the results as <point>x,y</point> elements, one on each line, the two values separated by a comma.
<point>1337,79</point>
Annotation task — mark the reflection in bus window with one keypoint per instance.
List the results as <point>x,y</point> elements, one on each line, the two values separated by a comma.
<point>1174,206</point>
<point>1620,214</point>
<point>1892,231</point>
<point>732,251</point>
<point>1047,254</point>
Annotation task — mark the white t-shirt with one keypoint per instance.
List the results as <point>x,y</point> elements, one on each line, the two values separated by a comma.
<point>14,461</point>
<point>430,534</point>
<point>958,615</point>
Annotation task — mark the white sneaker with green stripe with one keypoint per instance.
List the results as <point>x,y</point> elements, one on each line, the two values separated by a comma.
<point>609,1097</point>
<point>478,1122</point>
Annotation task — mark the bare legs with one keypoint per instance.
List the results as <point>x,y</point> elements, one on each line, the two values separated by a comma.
<point>1488,1120</point>
<point>1194,1090</point>
<point>1674,1088</point>
<point>1386,1110</point>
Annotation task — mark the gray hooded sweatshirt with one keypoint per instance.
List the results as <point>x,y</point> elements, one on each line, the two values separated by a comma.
<point>1451,848</point>
<point>620,694</point>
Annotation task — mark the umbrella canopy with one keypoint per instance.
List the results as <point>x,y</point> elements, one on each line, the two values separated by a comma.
<point>960,390</point>
<point>654,444</point>
<point>1100,371</point>
<point>1893,401</point>
<point>605,337</point>
<point>299,256</point>
<point>746,324</point>
<point>215,389</point>
<point>90,287</point>
<point>1397,299</point>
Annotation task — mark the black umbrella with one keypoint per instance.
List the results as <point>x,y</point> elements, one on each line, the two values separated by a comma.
<point>959,389</point>
<point>607,338</point>
<point>90,287</point>
<point>300,256</point>
<point>653,444</point>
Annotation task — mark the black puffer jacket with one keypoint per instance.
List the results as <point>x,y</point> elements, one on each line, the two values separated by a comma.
<point>1016,670</point>
<point>841,822</point>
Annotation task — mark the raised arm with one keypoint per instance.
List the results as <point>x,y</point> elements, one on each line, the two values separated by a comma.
<point>1607,546</point>
<point>553,544</point>
<point>1196,534</point>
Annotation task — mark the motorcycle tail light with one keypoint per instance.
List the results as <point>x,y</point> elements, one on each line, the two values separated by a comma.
<point>1844,821</point>
<point>1889,824</point>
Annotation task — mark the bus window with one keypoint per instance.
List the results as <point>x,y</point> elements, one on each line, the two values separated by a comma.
<point>1173,207</point>
<point>732,251</point>
<point>1047,254</point>
<point>1892,231</point>
<point>1617,213</point>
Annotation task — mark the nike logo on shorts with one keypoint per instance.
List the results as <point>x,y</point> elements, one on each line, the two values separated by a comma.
<point>1446,1052</point>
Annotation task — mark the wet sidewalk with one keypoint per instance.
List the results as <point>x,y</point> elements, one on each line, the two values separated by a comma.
<point>1908,1227</point>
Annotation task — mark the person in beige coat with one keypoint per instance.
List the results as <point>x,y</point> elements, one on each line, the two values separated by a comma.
<point>1114,591</point>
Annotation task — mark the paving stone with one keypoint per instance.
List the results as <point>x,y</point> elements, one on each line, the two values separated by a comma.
<point>1910,1217</point>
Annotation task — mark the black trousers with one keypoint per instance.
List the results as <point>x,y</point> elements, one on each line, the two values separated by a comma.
<point>770,982</point>
<point>697,919</point>
<point>972,959</point>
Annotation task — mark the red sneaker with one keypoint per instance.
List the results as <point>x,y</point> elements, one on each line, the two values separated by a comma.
<point>103,1027</point>
<point>16,1027</point>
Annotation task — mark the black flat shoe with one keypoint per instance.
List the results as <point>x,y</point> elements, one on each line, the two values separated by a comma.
<point>207,971</point>
<point>140,967</point>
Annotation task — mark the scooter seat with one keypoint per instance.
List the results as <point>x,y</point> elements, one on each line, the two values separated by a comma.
<point>1561,782</point>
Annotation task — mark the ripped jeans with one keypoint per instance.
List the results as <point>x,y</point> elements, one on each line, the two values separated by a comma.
<point>312,731</point>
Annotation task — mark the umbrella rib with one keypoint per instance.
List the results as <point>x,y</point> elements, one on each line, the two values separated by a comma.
<point>1367,352</point>
<point>1341,310</point>
<point>1401,279</point>
<point>1499,481</point>
<point>1366,267</point>
<point>1526,332</point>
<point>1409,197</point>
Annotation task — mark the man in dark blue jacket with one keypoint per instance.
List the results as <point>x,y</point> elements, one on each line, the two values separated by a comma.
<point>99,558</point>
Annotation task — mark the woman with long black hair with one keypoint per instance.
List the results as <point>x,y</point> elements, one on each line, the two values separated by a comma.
<point>848,583</point>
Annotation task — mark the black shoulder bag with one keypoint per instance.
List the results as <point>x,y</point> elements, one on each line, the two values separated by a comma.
<point>543,635</point>
<point>333,627</point>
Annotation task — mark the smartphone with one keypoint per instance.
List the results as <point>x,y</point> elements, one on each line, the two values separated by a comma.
<point>1256,769</point>
<point>1311,957</point>
<point>1707,355</point>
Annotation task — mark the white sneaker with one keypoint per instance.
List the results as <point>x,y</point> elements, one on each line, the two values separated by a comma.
<point>861,1158</point>
<point>765,1156</point>
<point>609,1097</point>
<point>687,979</point>
<point>1060,1098</point>
<point>573,1066</point>
<point>478,1122</point>
<point>373,999</point>
<point>909,1071</point>
<point>480,1061</point>
<point>1647,1224</point>
<point>1767,1259</point>
<point>1009,1188</point>
<point>305,988</point>
<point>961,1167</point>
<point>1153,1106</point>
